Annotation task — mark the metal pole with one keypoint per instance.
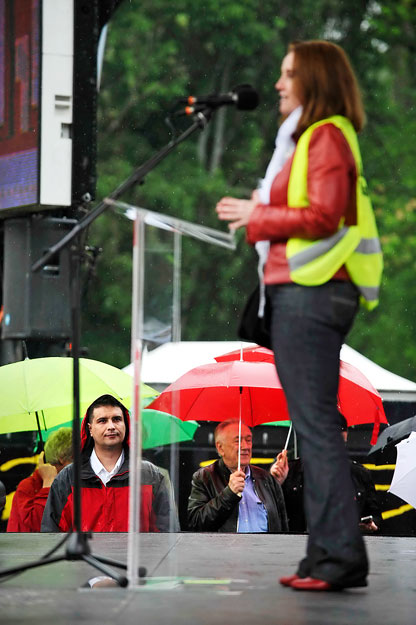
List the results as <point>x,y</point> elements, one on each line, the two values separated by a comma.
<point>75,259</point>
<point>133,544</point>
<point>176,337</point>
<point>177,267</point>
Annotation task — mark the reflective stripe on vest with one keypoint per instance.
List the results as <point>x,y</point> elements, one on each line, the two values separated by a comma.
<point>369,246</point>
<point>314,251</point>
<point>314,262</point>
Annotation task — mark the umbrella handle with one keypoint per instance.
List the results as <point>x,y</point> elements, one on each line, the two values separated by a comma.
<point>288,436</point>
<point>295,443</point>
<point>239,430</point>
<point>239,437</point>
<point>41,444</point>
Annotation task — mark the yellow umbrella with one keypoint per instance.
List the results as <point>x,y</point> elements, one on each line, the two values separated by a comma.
<point>40,389</point>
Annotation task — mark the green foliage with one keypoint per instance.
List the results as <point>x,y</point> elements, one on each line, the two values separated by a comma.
<point>159,51</point>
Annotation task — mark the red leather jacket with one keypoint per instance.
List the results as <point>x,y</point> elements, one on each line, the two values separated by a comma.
<point>332,178</point>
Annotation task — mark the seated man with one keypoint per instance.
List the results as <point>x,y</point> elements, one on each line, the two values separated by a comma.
<point>105,479</point>
<point>31,494</point>
<point>227,499</point>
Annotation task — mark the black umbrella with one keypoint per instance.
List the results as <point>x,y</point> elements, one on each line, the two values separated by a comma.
<point>394,433</point>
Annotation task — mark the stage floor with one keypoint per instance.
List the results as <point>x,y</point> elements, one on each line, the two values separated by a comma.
<point>213,579</point>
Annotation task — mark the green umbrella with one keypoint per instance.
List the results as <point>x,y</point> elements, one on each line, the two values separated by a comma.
<point>40,389</point>
<point>159,428</point>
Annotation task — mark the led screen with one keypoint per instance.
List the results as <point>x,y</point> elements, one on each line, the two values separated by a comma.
<point>19,102</point>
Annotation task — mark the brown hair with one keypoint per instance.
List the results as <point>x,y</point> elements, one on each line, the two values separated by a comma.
<point>325,84</point>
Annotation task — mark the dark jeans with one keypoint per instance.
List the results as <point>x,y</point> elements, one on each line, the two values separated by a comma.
<point>309,325</point>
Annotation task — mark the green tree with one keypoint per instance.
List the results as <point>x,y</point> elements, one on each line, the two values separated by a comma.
<point>390,153</point>
<point>158,52</point>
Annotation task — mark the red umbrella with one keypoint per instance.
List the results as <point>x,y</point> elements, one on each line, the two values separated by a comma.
<point>213,392</point>
<point>248,354</point>
<point>358,400</point>
<point>248,391</point>
<point>245,384</point>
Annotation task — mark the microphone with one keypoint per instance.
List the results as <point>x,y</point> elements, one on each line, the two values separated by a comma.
<point>244,97</point>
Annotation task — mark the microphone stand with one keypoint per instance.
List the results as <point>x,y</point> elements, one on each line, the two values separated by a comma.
<point>77,547</point>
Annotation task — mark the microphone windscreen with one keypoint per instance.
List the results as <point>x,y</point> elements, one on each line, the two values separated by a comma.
<point>247,97</point>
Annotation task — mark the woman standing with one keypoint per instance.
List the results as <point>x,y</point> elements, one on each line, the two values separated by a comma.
<point>324,258</point>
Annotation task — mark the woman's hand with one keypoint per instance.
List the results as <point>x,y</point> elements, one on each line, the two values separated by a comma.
<point>236,211</point>
<point>46,471</point>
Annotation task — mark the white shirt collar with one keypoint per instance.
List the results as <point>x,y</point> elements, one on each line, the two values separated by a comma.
<point>100,471</point>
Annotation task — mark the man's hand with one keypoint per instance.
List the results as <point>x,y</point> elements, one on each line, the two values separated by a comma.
<point>280,468</point>
<point>369,527</point>
<point>47,471</point>
<point>237,481</point>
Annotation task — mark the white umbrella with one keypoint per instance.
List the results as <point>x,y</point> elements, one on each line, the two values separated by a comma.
<point>404,479</point>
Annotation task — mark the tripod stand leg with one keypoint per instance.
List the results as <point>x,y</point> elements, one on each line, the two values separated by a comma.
<point>120,579</point>
<point>142,569</point>
<point>78,549</point>
<point>30,565</point>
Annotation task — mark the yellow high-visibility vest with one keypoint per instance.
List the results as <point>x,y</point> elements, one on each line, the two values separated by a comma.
<point>314,262</point>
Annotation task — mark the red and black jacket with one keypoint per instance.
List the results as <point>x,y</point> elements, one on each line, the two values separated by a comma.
<point>105,507</point>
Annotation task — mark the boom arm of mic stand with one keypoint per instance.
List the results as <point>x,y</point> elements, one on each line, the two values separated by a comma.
<point>202,119</point>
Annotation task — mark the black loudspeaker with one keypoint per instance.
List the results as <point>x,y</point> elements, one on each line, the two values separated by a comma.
<point>36,305</point>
